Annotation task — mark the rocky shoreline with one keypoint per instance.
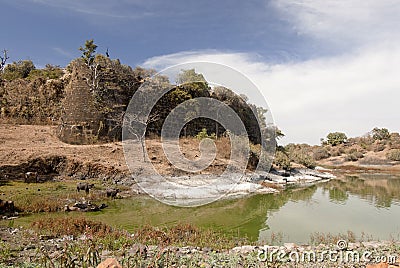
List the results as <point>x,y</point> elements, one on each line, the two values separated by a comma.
<point>231,185</point>
<point>23,246</point>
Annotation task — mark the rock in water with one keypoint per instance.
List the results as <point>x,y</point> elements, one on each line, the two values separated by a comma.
<point>109,263</point>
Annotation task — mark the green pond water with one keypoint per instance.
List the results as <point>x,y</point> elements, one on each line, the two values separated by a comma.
<point>368,204</point>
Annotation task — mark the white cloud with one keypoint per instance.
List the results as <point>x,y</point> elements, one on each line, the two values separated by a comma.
<point>344,22</point>
<point>117,9</point>
<point>351,93</point>
<point>63,52</point>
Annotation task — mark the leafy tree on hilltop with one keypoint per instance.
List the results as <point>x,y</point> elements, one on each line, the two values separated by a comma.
<point>380,134</point>
<point>336,138</point>
<point>89,58</point>
<point>187,76</point>
<point>19,69</point>
<point>88,52</point>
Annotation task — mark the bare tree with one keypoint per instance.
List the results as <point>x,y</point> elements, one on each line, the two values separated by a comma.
<point>95,77</point>
<point>3,59</point>
<point>137,126</point>
<point>88,56</point>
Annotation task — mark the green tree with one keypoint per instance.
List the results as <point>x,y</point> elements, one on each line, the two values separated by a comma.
<point>93,61</point>
<point>19,69</point>
<point>380,134</point>
<point>187,76</point>
<point>49,72</point>
<point>88,52</point>
<point>336,138</point>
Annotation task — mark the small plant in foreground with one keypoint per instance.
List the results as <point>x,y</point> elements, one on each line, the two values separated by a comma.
<point>317,238</point>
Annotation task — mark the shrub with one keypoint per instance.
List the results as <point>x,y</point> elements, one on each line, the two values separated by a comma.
<point>306,161</point>
<point>302,157</point>
<point>19,69</point>
<point>282,160</point>
<point>354,156</point>
<point>393,155</point>
<point>203,134</point>
<point>378,147</point>
<point>320,153</point>
<point>354,153</point>
<point>49,72</point>
<point>335,152</point>
<point>336,138</point>
<point>74,226</point>
<point>394,142</point>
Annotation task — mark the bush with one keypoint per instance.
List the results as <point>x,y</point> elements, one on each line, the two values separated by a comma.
<point>354,156</point>
<point>19,69</point>
<point>336,138</point>
<point>320,153</point>
<point>282,160</point>
<point>393,155</point>
<point>394,142</point>
<point>336,151</point>
<point>302,157</point>
<point>378,147</point>
<point>49,72</point>
<point>203,134</point>
<point>306,161</point>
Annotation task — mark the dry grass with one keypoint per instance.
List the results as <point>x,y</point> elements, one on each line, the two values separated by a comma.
<point>178,235</point>
<point>186,235</point>
<point>58,227</point>
<point>328,238</point>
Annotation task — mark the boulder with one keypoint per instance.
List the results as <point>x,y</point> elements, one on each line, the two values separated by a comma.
<point>109,263</point>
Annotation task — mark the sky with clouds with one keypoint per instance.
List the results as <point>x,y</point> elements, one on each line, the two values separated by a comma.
<point>322,66</point>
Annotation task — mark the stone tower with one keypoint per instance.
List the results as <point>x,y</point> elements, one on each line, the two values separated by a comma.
<point>82,122</point>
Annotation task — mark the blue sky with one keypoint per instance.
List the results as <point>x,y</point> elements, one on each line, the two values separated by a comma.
<point>321,65</point>
<point>52,30</point>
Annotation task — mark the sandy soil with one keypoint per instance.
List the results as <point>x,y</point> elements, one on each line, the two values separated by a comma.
<point>21,145</point>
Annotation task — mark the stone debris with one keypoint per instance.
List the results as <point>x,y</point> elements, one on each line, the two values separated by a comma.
<point>109,263</point>
<point>85,206</point>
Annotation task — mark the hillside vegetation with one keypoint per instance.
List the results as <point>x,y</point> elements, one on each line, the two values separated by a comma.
<point>89,97</point>
<point>378,147</point>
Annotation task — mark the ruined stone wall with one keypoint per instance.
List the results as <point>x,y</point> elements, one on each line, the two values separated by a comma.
<point>81,121</point>
<point>92,115</point>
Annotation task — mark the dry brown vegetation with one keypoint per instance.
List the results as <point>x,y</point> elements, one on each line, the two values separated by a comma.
<point>360,151</point>
<point>177,235</point>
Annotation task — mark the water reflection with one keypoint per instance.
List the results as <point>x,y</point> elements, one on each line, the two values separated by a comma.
<point>380,190</point>
<point>363,204</point>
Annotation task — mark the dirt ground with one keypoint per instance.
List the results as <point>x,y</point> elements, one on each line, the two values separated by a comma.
<point>26,148</point>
